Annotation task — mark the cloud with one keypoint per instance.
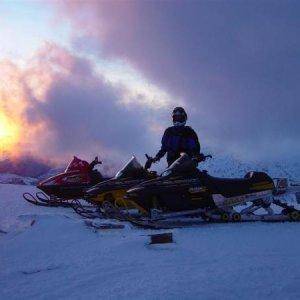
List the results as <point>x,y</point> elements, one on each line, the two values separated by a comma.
<point>235,65</point>
<point>64,106</point>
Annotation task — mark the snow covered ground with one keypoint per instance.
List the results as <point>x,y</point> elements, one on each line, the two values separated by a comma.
<point>49,253</point>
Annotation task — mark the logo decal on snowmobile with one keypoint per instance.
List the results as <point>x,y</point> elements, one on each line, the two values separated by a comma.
<point>222,201</point>
<point>197,189</point>
<point>262,186</point>
<point>178,181</point>
<point>73,179</point>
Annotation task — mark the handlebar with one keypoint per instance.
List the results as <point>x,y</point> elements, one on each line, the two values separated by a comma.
<point>198,159</point>
<point>97,161</point>
<point>149,162</point>
<point>201,157</point>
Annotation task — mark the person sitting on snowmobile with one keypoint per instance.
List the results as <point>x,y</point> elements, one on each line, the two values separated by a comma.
<point>179,138</point>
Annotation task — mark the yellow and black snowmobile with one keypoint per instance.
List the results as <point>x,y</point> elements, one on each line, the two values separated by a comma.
<point>183,191</point>
<point>113,190</point>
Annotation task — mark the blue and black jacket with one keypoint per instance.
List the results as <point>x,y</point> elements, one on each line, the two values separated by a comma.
<point>178,139</point>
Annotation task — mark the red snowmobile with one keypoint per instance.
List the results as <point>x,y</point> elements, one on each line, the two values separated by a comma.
<point>58,190</point>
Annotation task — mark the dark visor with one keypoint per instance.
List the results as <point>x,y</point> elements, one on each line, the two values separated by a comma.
<point>178,118</point>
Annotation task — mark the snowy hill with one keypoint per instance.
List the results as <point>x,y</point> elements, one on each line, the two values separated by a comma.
<point>16,179</point>
<point>50,253</point>
<point>229,166</point>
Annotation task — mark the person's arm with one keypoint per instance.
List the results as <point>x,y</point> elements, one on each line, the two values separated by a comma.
<point>163,148</point>
<point>193,135</point>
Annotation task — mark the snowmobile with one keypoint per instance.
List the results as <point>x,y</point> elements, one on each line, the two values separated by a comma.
<point>110,193</point>
<point>61,189</point>
<point>185,195</point>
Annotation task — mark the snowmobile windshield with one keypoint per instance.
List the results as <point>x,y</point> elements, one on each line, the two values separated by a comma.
<point>184,164</point>
<point>77,165</point>
<point>131,169</point>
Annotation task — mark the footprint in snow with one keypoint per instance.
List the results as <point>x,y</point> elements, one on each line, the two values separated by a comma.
<point>38,270</point>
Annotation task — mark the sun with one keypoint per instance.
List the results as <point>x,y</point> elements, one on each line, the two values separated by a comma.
<point>9,134</point>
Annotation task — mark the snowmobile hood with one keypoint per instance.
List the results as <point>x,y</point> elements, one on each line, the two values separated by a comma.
<point>145,187</point>
<point>77,172</point>
<point>130,174</point>
<point>134,192</point>
<point>144,184</point>
<point>100,187</point>
<point>70,178</point>
<point>184,164</point>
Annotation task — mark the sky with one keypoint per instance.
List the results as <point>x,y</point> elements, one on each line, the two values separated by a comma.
<point>102,77</point>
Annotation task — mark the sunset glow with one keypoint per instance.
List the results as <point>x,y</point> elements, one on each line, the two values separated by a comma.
<point>9,134</point>
<point>81,66</point>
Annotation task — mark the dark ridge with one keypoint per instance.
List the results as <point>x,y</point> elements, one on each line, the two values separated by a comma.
<point>24,166</point>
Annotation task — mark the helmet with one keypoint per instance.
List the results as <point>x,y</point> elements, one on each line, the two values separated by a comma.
<point>179,116</point>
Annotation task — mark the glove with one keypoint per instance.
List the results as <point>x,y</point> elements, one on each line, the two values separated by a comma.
<point>199,157</point>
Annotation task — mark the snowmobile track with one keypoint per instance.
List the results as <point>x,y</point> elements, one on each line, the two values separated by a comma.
<point>192,222</point>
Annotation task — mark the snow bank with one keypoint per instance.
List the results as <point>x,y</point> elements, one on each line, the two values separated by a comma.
<point>55,255</point>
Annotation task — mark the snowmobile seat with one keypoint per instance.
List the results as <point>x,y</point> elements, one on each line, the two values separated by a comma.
<point>230,187</point>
